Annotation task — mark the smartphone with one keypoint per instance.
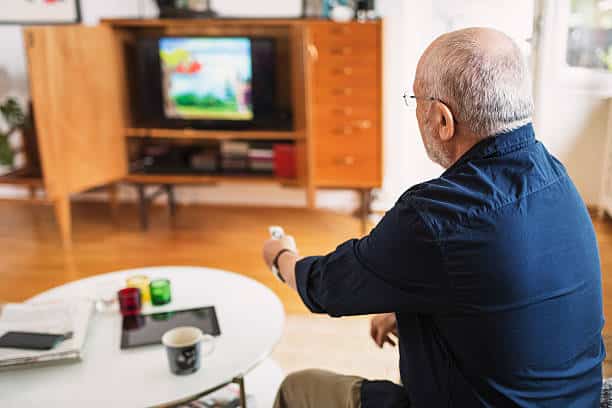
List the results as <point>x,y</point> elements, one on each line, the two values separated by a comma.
<point>30,341</point>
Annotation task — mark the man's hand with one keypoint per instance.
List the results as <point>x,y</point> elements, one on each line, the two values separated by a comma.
<point>381,326</point>
<point>273,246</point>
<point>286,263</point>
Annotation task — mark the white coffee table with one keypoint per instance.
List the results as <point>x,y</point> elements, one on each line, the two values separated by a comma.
<point>250,316</point>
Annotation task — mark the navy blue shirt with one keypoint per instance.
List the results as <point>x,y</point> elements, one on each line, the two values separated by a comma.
<point>493,273</point>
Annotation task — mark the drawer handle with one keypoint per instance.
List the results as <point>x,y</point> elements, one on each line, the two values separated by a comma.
<point>347,111</point>
<point>344,71</point>
<point>340,29</point>
<point>346,130</point>
<point>313,51</point>
<point>346,161</point>
<point>359,124</point>
<point>363,124</point>
<point>342,51</point>
<point>343,91</point>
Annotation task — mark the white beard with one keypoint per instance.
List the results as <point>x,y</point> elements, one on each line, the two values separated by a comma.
<point>436,153</point>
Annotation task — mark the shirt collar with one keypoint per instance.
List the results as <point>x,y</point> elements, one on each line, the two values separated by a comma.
<point>498,145</point>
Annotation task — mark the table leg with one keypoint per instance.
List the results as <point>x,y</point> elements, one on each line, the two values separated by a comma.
<point>243,399</point>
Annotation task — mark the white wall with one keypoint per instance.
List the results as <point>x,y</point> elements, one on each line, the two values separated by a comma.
<point>573,127</point>
<point>412,27</point>
<point>571,105</point>
<point>571,123</point>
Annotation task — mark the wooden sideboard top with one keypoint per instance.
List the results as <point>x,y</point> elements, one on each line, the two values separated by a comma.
<point>155,22</point>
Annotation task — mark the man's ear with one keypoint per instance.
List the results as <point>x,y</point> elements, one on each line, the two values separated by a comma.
<point>446,121</point>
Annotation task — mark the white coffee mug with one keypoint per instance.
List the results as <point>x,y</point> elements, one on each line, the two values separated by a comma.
<point>183,348</point>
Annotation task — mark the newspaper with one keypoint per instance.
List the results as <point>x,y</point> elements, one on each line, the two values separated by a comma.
<point>226,397</point>
<point>61,317</point>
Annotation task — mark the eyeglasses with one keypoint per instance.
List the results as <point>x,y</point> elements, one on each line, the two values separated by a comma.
<point>411,100</point>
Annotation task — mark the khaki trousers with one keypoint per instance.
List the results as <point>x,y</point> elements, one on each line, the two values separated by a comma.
<point>319,389</point>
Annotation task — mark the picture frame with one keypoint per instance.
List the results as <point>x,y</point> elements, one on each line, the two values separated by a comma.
<point>33,12</point>
<point>185,9</point>
<point>313,8</point>
<point>322,8</point>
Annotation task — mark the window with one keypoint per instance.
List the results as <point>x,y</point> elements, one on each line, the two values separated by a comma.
<point>589,36</point>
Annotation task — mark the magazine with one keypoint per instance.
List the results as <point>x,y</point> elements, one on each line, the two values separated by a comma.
<point>226,397</point>
<point>60,317</point>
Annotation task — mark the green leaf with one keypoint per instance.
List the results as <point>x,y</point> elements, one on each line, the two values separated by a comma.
<point>6,153</point>
<point>12,113</point>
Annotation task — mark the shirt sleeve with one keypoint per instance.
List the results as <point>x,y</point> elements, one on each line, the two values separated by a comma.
<point>397,267</point>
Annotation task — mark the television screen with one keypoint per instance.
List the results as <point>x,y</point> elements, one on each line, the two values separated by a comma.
<point>207,78</point>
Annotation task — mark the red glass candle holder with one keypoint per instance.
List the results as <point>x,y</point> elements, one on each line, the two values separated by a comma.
<point>130,302</point>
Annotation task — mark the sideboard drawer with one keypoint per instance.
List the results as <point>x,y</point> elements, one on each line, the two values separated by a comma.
<point>348,132</point>
<point>346,71</point>
<point>347,164</point>
<point>359,38</point>
<point>345,96</point>
<point>350,112</point>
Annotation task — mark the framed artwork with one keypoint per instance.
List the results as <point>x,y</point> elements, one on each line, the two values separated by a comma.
<point>312,8</point>
<point>322,8</point>
<point>41,12</point>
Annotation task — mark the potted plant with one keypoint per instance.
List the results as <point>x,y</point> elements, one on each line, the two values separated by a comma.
<point>14,119</point>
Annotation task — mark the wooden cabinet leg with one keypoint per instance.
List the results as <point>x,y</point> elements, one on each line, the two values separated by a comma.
<point>311,197</point>
<point>32,192</point>
<point>364,209</point>
<point>64,221</point>
<point>113,199</point>
<point>143,206</point>
<point>171,199</point>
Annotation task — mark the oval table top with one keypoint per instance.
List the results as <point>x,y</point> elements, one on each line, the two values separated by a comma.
<point>250,316</point>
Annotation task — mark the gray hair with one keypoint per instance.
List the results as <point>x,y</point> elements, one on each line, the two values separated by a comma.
<point>487,89</point>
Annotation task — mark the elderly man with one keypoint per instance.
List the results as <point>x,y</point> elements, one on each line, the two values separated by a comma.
<point>489,275</point>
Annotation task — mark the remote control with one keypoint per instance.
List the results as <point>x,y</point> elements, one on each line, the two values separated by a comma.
<point>276,232</point>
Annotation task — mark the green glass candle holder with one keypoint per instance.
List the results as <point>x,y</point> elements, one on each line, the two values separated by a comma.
<point>160,292</point>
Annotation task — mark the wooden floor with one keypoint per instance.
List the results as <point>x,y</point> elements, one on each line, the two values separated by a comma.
<point>221,237</point>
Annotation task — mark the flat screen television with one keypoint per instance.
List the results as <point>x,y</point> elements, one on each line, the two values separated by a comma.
<point>209,83</point>
<point>207,78</point>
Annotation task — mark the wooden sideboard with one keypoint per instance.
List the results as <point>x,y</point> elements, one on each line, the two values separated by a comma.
<point>84,116</point>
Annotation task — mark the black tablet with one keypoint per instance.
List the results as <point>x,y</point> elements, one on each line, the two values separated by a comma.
<point>146,329</point>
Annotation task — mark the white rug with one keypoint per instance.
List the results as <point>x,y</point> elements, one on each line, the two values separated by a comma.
<point>340,345</point>
<point>311,341</point>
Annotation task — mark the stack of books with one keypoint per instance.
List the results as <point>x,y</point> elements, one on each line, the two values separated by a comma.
<point>204,161</point>
<point>284,160</point>
<point>261,158</point>
<point>226,397</point>
<point>234,156</point>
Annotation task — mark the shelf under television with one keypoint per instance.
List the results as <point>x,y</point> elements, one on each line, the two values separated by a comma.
<point>214,134</point>
<point>23,178</point>
<point>148,178</point>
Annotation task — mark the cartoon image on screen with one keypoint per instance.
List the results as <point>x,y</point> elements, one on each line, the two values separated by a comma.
<point>207,78</point>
